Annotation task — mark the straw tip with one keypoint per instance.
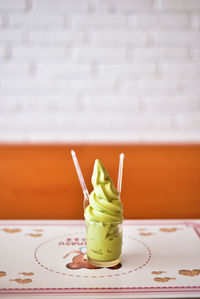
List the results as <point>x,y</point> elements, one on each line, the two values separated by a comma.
<point>73,152</point>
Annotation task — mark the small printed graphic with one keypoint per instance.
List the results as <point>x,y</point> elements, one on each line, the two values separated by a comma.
<point>38,230</point>
<point>141,229</point>
<point>27,273</point>
<point>146,234</point>
<point>22,281</point>
<point>11,230</point>
<point>158,272</point>
<point>194,272</point>
<point>34,235</point>
<point>2,273</point>
<point>80,261</point>
<point>169,230</point>
<point>164,279</point>
<point>73,241</point>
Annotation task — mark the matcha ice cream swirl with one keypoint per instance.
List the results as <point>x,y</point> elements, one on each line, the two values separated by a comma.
<point>105,205</point>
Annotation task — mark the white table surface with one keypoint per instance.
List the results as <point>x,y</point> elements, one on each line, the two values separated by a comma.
<point>158,261</point>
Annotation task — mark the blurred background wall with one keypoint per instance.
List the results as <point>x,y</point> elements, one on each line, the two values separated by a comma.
<point>109,70</point>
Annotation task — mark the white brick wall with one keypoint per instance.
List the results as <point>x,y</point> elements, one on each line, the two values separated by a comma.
<point>99,71</point>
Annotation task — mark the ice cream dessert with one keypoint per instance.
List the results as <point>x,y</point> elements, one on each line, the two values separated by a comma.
<point>103,218</point>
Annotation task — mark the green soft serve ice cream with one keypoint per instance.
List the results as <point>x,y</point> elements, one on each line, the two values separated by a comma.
<point>103,216</point>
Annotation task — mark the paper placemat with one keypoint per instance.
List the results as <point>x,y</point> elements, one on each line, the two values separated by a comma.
<point>160,259</point>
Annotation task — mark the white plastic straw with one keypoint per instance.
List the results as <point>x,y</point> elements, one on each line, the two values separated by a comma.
<point>80,175</point>
<point>119,183</point>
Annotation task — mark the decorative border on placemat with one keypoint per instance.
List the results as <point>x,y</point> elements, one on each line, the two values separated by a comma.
<point>103,291</point>
<point>98,291</point>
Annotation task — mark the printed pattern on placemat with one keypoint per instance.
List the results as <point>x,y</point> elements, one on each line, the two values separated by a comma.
<point>73,242</point>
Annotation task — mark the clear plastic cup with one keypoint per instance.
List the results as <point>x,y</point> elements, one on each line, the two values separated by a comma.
<point>104,243</point>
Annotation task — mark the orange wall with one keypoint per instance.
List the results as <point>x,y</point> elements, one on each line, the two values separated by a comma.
<point>40,182</point>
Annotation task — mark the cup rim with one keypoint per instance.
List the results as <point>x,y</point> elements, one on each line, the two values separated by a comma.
<point>106,223</point>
